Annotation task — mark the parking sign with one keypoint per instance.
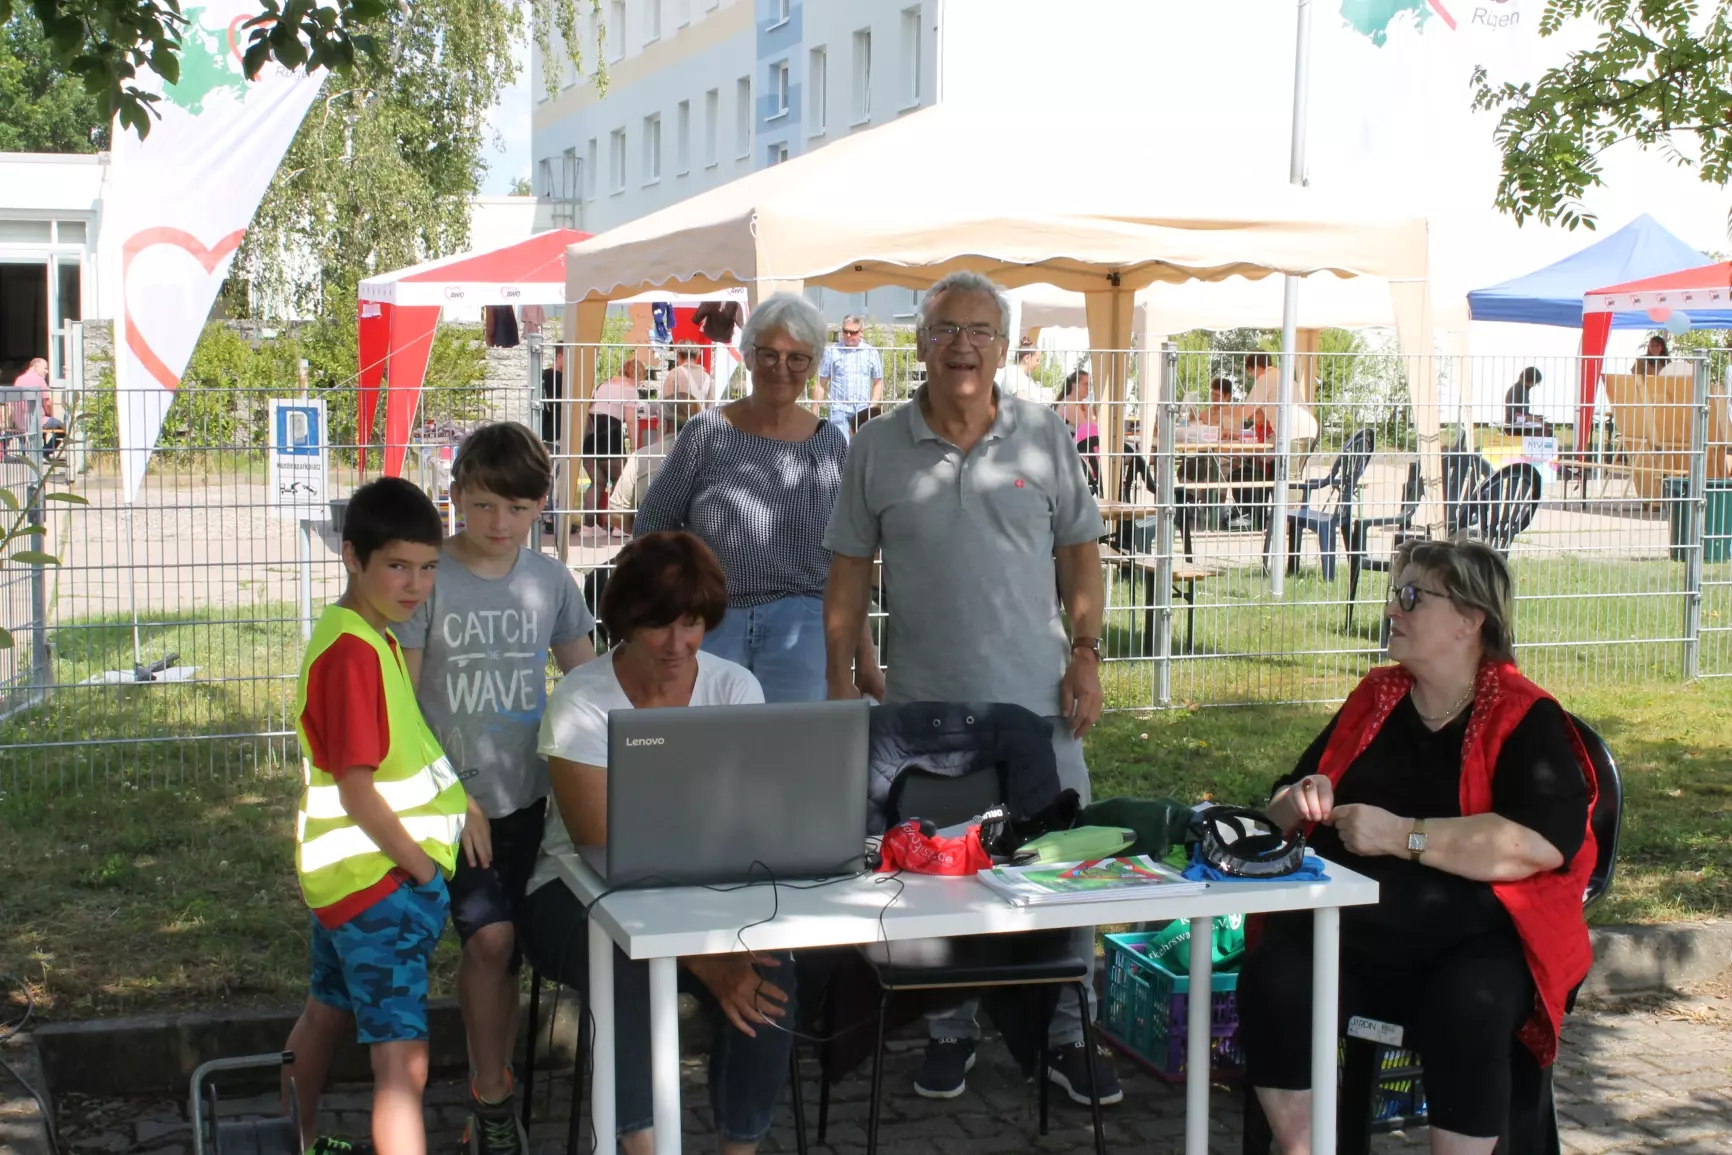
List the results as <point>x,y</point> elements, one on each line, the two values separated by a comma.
<point>300,460</point>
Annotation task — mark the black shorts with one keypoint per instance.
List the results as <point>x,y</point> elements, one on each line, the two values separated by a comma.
<point>482,896</point>
<point>605,436</point>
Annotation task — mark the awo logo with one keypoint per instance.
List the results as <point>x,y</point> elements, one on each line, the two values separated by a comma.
<point>510,292</point>
<point>454,293</point>
<point>645,741</point>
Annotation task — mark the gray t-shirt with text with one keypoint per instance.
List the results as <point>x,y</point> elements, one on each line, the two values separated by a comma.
<point>484,644</point>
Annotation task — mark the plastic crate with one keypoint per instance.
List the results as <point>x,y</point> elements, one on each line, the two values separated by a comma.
<point>1400,1097</point>
<point>1147,1005</point>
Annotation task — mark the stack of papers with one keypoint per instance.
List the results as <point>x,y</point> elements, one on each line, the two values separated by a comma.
<point>1103,880</point>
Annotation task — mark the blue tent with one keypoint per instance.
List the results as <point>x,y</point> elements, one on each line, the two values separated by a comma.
<point>1553,295</point>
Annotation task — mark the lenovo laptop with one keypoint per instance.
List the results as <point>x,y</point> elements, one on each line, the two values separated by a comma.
<point>704,795</point>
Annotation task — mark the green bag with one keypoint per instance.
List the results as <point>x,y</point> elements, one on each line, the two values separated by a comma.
<point>1159,823</point>
<point>1171,947</point>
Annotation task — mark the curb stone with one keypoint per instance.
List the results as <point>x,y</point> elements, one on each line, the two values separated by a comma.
<point>23,1130</point>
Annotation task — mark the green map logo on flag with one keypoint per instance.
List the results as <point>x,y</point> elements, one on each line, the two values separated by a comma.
<point>206,66</point>
<point>1372,18</point>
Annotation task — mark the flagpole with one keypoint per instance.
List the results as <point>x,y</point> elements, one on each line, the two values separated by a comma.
<point>1289,315</point>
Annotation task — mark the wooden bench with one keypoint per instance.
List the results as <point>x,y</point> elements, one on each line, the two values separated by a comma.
<point>1185,579</point>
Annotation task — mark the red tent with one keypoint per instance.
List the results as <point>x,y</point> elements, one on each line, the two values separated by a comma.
<point>399,312</point>
<point>1702,296</point>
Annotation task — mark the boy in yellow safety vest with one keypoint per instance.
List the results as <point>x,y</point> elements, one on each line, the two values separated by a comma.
<point>379,822</point>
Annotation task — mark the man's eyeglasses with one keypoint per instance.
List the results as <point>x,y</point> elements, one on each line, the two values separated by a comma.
<point>850,332</point>
<point>979,336</point>
<point>1407,596</point>
<point>770,358</point>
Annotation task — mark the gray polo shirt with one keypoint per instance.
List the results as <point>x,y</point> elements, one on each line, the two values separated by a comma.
<point>967,544</point>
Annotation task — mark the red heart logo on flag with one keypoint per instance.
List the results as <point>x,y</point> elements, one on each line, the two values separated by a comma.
<point>194,248</point>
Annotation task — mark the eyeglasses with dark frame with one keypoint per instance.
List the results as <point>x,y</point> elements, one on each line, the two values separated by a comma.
<point>1407,596</point>
<point>770,358</point>
<point>979,336</point>
<point>850,332</point>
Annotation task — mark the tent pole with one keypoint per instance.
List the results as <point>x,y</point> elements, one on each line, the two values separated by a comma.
<point>1289,315</point>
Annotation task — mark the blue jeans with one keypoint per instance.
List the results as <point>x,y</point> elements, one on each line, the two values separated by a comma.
<point>746,1072</point>
<point>781,642</point>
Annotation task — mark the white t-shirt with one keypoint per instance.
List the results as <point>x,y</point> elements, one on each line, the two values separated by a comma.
<point>692,380</point>
<point>575,727</point>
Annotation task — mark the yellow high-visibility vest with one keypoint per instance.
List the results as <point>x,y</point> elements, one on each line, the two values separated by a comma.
<point>333,855</point>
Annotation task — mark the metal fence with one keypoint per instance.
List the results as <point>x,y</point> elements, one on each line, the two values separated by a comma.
<point>173,627</point>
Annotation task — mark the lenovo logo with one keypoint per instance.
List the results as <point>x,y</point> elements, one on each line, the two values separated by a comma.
<point>645,741</point>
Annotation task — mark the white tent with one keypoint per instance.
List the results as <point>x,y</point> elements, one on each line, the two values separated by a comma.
<point>908,202</point>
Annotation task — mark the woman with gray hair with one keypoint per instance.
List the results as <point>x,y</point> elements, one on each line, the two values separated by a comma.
<point>756,480</point>
<point>1465,791</point>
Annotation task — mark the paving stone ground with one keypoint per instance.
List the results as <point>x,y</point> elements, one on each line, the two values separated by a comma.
<point>1651,1077</point>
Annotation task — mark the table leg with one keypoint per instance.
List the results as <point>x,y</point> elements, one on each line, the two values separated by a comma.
<point>1325,1025</point>
<point>665,1053</point>
<point>601,1079</point>
<point>1197,1039</point>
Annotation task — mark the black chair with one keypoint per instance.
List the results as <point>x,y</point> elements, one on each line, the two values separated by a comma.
<point>1532,1128</point>
<point>1357,557</point>
<point>1034,959</point>
<point>1503,506</point>
<point>1343,479</point>
<point>1463,472</point>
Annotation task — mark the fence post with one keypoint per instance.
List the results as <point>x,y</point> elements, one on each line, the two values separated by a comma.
<point>1697,511</point>
<point>1164,460</point>
<point>37,514</point>
<point>535,419</point>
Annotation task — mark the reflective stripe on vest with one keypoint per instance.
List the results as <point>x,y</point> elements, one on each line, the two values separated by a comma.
<point>335,857</point>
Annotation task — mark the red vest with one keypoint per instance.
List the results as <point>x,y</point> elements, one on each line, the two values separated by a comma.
<point>1546,907</point>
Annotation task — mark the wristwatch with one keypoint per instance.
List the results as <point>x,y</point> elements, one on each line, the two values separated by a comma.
<point>1092,645</point>
<point>1416,840</point>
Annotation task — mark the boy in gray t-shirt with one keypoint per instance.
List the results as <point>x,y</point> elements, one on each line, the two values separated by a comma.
<point>477,650</point>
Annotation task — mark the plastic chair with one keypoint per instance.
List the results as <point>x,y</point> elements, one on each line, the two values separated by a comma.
<point>1343,479</point>
<point>1357,557</point>
<point>1532,1127</point>
<point>1038,958</point>
<point>1504,505</point>
<point>1463,473</point>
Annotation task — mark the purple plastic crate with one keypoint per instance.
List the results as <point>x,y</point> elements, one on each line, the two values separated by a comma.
<point>1147,1005</point>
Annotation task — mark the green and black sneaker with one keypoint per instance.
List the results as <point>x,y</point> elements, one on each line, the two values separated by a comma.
<point>331,1145</point>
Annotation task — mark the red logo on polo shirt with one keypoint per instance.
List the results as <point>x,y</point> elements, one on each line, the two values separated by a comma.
<point>1019,483</point>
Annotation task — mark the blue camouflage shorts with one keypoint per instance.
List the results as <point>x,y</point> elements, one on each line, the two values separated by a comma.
<point>375,965</point>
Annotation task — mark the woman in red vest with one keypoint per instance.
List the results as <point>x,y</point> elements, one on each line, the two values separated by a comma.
<point>1463,789</point>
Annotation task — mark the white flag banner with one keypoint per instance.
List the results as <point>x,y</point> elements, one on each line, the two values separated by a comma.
<point>179,202</point>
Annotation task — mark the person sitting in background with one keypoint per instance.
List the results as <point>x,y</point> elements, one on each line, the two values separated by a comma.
<point>33,383</point>
<point>1218,410</point>
<point>668,591</point>
<point>688,376</point>
<point>1463,789</point>
<point>1076,406</point>
<point>646,460</point>
<point>612,411</point>
<point>756,480</point>
<point>1518,413</point>
<point>1656,360</point>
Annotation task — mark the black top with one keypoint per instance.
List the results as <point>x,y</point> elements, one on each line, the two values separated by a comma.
<point>1414,772</point>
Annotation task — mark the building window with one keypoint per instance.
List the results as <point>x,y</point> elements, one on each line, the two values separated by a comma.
<point>781,13</point>
<point>712,126</point>
<point>743,117</point>
<point>779,81</point>
<point>683,138</point>
<point>712,5</point>
<point>778,153</point>
<point>544,171</point>
<point>616,30</point>
<point>862,75</point>
<point>590,168</point>
<point>682,13</point>
<point>570,175</point>
<point>616,160</point>
<point>818,91</point>
<point>652,149</point>
<point>911,56</point>
<point>652,24</point>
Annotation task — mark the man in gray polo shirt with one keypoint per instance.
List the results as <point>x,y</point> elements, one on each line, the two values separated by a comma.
<point>977,501</point>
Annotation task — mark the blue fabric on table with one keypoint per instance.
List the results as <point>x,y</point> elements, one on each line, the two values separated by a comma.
<point>1310,870</point>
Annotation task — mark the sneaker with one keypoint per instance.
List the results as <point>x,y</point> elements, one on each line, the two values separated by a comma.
<point>330,1145</point>
<point>944,1073</point>
<point>494,1128</point>
<point>1069,1068</point>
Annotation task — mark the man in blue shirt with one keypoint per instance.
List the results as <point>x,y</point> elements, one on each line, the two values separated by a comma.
<point>851,376</point>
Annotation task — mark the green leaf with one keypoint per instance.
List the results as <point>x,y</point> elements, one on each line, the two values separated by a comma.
<point>69,498</point>
<point>27,531</point>
<point>33,557</point>
<point>8,499</point>
<point>5,638</point>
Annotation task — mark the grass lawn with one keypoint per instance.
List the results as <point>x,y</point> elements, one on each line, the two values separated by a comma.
<point>122,899</point>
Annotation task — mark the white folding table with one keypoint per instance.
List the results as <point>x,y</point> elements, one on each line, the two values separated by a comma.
<point>662,926</point>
